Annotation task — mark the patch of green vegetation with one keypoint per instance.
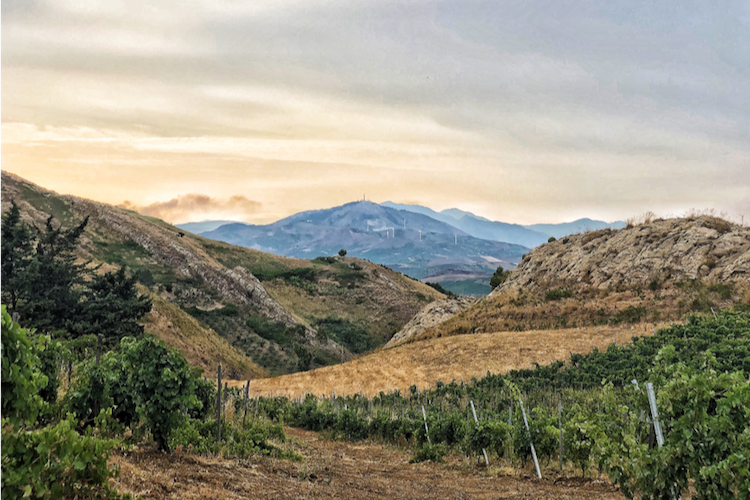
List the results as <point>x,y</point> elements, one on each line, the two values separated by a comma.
<point>257,263</point>
<point>723,289</point>
<point>47,203</point>
<point>124,253</point>
<point>275,331</point>
<point>630,315</point>
<point>558,294</point>
<point>325,260</point>
<point>439,288</point>
<point>352,336</point>
<point>471,287</point>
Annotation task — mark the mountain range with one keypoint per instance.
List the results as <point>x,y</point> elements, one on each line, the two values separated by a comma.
<point>529,236</point>
<point>409,242</point>
<point>456,248</point>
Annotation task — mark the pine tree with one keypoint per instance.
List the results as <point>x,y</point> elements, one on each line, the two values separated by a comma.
<point>111,306</point>
<point>16,256</point>
<point>53,281</point>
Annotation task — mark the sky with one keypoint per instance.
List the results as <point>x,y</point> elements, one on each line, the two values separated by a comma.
<point>519,111</point>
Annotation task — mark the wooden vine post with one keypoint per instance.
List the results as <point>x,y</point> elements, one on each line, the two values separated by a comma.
<point>426,430</point>
<point>247,396</point>
<point>476,421</point>
<point>533,451</point>
<point>218,405</point>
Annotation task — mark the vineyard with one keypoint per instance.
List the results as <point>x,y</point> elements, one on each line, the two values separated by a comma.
<point>593,413</point>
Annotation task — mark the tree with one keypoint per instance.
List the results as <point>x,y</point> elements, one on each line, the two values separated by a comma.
<point>342,252</point>
<point>55,279</point>
<point>16,256</point>
<point>111,305</point>
<point>499,277</point>
<point>51,291</point>
<point>304,358</point>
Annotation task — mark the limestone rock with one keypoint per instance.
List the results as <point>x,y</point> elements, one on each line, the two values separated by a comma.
<point>431,315</point>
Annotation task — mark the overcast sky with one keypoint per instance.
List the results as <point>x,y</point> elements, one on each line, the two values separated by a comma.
<point>527,111</point>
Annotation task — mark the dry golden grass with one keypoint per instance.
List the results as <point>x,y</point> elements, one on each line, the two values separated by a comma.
<point>201,346</point>
<point>448,358</point>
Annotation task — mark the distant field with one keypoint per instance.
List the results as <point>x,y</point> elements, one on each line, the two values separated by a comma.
<point>448,358</point>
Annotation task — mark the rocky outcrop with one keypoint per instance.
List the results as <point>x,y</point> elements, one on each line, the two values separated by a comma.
<point>430,316</point>
<point>661,251</point>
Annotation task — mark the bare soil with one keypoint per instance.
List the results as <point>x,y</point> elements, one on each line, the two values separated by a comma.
<point>338,469</point>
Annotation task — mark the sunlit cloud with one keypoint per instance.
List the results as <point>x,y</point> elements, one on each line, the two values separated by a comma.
<point>192,207</point>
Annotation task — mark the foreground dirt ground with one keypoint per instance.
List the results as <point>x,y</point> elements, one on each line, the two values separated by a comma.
<point>449,358</point>
<point>343,470</point>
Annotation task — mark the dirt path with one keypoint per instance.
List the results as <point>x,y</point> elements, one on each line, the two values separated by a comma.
<point>336,469</point>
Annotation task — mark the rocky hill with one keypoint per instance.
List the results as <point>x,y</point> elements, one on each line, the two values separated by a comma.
<point>655,271</point>
<point>430,316</point>
<point>263,305</point>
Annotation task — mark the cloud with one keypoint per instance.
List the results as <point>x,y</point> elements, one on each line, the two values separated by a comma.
<point>198,207</point>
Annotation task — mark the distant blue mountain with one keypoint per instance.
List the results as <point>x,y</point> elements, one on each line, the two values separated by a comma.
<point>410,242</point>
<point>479,227</point>
<point>202,227</point>
<point>577,226</point>
<point>531,235</point>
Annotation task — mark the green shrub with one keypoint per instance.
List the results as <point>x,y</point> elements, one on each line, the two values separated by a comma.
<point>162,385</point>
<point>352,336</point>
<point>102,386</point>
<point>237,442</point>
<point>558,294</point>
<point>429,453</point>
<point>499,277</point>
<point>630,315</point>
<point>551,239</point>
<point>205,391</point>
<point>22,378</point>
<point>55,462</point>
<point>275,331</point>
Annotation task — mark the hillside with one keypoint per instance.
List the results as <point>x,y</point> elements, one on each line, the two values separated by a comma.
<point>408,242</point>
<point>261,304</point>
<point>445,359</point>
<point>655,271</point>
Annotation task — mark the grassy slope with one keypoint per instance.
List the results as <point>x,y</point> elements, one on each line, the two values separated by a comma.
<point>446,359</point>
<point>200,345</point>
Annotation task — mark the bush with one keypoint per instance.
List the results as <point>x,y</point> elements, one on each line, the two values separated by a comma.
<point>558,294</point>
<point>50,354</point>
<point>630,315</point>
<point>342,253</point>
<point>22,379</point>
<point>162,384</point>
<point>102,386</point>
<point>499,277</point>
<point>55,462</point>
<point>551,239</point>
<point>237,442</point>
<point>429,452</point>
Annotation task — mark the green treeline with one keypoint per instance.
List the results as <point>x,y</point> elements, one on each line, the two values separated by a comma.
<point>53,293</point>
